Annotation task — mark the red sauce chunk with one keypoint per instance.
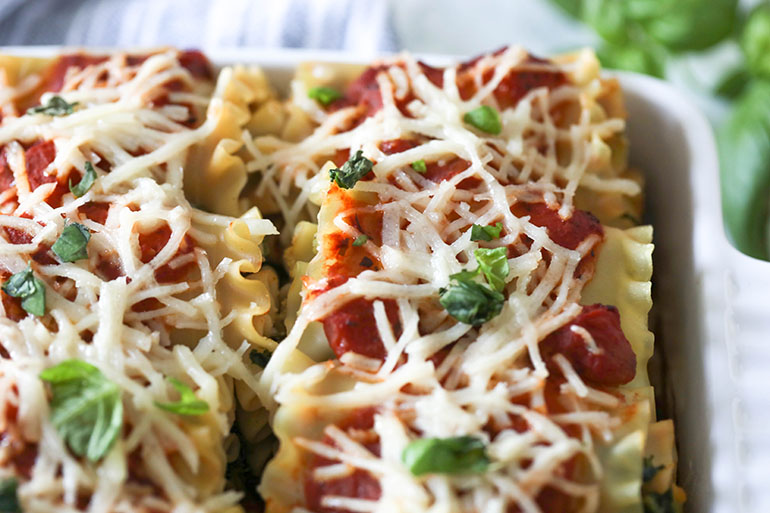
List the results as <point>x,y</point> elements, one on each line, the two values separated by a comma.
<point>569,232</point>
<point>38,157</point>
<point>358,485</point>
<point>152,243</point>
<point>353,328</point>
<point>613,364</point>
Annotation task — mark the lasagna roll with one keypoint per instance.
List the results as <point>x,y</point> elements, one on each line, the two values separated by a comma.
<point>133,295</point>
<point>467,314</point>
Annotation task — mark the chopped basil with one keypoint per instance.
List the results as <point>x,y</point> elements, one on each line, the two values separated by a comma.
<point>352,171</point>
<point>486,233</point>
<point>86,408</point>
<point>420,166</point>
<point>30,289</point>
<point>493,263</point>
<point>56,106</point>
<point>188,403</point>
<point>71,244</point>
<point>485,118</point>
<point>654,502</point>
<point>649,471</point>
<point>324,95</point>
<point>89,177</point>
<point>360,240</point>
<point>470,302</point>
<point>9,498</point>
<point>458,455</point>
<point>260,358</point>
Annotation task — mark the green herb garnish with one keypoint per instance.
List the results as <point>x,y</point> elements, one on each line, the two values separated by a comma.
<point>86,408</point>
<point>352,171</point>
<point>30,289</point>
<point>260,358</point>
<point>188,403</point>
<point>649,471</point>
<point>56,106</point>
<point>493,263</point>
<point>9,498</point>
<point>360,240</point>
<point>486,233</point>
<point>458,455</point>
<point>420,166</point>
<point>89,177</point>
<point>324,95</point>
<point>485,118</point>
<point>71,244</point>
<point>654,502</point>
<point>469,301</point>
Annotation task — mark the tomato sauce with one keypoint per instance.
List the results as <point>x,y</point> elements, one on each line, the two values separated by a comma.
<point>151,243</point>
<point>569,232</point>
<point>358,485</point>
<point>615,362</point>
<point>352,327</point>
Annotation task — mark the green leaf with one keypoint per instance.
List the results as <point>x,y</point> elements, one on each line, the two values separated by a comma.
<point>494,264</point>
<point>686,25</point>
<point>56,106</point>
<point>734,83</point>
<point>649,470</point>
<point>486,233</point>
<point>485,118</point>
<point>260,358</point>
<point>188,403</point>
<point>755,41</point>
<point>360,240</point>
<point>457,455</point>
<point>324,95</point>
<point>352,171</point>
<point>86,408</point>
<point>9,498</point>
<point>470,302</point>
<point>571,7</point>
<point>744,153</point>
<point>659,502</point>
<point>648,59</point>
<point>85,184</point>
<point>71,244</point>
<point>420,166</point>
<point>30,289</point>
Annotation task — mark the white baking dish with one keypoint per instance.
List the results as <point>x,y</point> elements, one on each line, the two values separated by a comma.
<point>711,314</point>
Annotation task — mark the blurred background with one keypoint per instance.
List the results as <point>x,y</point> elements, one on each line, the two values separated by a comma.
<point>717,50</point>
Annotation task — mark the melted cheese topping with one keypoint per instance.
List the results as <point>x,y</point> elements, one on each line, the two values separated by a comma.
<point>489,374</point>
<point>155,316</point>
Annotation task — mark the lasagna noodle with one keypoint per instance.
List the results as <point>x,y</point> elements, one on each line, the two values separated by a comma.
<point>196,298</point>
<point>311,398</point>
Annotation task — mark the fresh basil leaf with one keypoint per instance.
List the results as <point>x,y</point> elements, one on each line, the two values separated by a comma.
<point>648,59</point>
<point>324,95</point>
<point>9,498</point>
<point>609,18</point>
<point>571,7</point>
<point>30,289</point>
<point>493,263</point>
<point>755,41</point>
<point>464,275</point>
<point>659,502</point>
<point>360,240</point>
<point>71,244</point>
<point>85,184</point>
<point>352,171</point>
<point>86,408</point>
<point>261,358</point>
<point>744,153</point>
<point>420,166</point>
<point>457,455</point>
<point>470,302</point>
<point>649,470</point>
<point>485,118</point>
<point>56,106</point>
<point>188,403</point>
<point>733,83</point>
<point>685,25</point>
<point>486,233</point>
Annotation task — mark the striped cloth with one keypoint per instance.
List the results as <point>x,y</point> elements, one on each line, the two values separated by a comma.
<point>360,26</point>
